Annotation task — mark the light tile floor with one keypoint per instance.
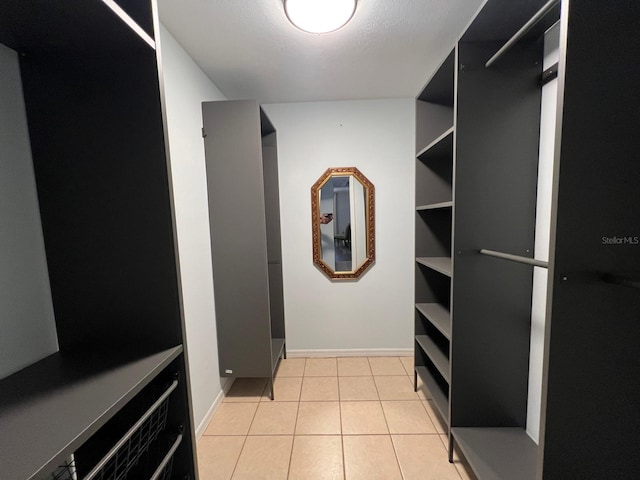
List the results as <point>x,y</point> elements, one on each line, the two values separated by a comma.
<point>332,419</point>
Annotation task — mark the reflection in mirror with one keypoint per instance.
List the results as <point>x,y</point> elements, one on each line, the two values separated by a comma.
<point>343,233</point>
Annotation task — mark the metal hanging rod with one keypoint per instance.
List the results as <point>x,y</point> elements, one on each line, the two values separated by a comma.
<point>515,258</point>
<point>623,281</point>
<point>546,8</point>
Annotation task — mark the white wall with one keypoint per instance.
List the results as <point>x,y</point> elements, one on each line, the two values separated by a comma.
<point>543,229</point>
<point>186,86</point>
<point>377,137</point>
<point>27,324</point>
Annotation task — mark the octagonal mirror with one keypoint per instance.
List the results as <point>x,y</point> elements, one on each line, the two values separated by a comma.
<point>342,217</point>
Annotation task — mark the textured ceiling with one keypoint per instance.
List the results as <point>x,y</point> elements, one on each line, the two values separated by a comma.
<point>250,50</point>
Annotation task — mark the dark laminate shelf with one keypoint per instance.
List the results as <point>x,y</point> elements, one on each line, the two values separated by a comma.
<point>498,453</point>
<point>52,407</point>
<point>441,146</point>
<point>434,206</point>
<point>439,264</point>
<point>438,315</point>
<point>439,398</point>
<point>277,349</point>
<point>438,358</point>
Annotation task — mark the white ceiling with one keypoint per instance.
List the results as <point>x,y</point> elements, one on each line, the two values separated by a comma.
<point>250,50</point>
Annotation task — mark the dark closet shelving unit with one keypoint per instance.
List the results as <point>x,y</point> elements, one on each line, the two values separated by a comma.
<point>591,322</point>
<point>94,108</point>
<point>244,212</point>
<point>433,233</point>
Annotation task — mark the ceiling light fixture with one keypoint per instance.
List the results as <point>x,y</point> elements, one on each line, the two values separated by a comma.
<point>319,16</point>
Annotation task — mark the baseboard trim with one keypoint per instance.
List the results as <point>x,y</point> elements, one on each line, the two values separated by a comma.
<point>352,352</point>
<point>214,406</point>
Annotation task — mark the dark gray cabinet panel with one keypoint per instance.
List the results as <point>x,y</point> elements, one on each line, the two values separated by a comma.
<point>242,180</point>
<point>94,105</point>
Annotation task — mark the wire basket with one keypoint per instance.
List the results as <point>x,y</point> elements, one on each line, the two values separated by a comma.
<point>126,453</point>
<point>166,471</point>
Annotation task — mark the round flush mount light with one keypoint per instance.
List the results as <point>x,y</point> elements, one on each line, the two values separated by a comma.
<point>319,16</point>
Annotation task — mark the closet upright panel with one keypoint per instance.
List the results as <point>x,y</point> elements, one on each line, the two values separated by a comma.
<point>591,425</point>
<point>244,218</point>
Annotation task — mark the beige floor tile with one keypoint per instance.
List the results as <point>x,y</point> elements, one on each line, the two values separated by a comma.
<point>370,457</point>
<point>386,366</point>
<point>395,388</point>
<point>407,417</point>
<point>264,458</point>
<point>321,367</point>
<point>217,456</point>
<point>423,392</point>
<point>460,463</point>
<point>357,388</point>
<point>444,438</point>
<point>362,418</point>
<point>246,390</point>
<point>291,367</point>
<point>353,367</point>
<point>287,389</point>
<point>435,416</point>
<point>316,389</point>
<point>407,363</point>
<point>232,419</point>
<point>316,458</point>
<point>318,418</point>
<point>275,418</point>
<point>421,458</point>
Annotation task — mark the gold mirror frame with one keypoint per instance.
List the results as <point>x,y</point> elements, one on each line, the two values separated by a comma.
<point>369,220</point>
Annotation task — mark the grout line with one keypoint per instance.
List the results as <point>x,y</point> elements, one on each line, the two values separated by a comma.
<point>344,463</point>
<point>395,452</point>
<point>293,438</point>
<point>235,465</point>
<point>433,424</point>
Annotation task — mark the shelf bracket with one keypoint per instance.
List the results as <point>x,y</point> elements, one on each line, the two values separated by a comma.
<point>549,74</point>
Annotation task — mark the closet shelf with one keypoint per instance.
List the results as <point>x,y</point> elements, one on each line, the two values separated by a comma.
<point>438,358</point>
<point>439,264</point>
<point>441,146</point>
<point>439,398</point>
<point>435,206</point>
<point>498,453</point>
<point>52,407</point>
<point>438,315</point>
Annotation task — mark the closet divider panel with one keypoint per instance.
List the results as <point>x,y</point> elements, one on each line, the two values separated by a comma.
<point>496,179</point>
<point>591,426</point>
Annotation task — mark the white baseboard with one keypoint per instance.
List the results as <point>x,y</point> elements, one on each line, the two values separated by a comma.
<point>214,406</point>
<point>352,352</point>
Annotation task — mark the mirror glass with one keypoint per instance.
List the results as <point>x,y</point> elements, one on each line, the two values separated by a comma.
<point>343,223</point>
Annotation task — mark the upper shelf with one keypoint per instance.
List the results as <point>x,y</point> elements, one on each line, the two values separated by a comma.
<point>435,206</point>
<point>440,147</point>
<point>42,26</point>
<point>49,409</point>
<point>439,264</point>
<point>438,315</point>
<point>440,87</point>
